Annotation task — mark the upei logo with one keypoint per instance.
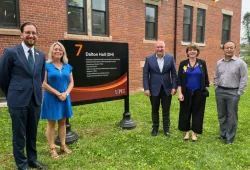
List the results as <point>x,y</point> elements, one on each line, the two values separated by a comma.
<point>120,91</point>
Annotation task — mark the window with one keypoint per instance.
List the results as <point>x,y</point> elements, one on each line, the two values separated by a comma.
<point>99,17</point>
<point>151,22</point>
<point>77,20</point>
<point>226,27</point>
<point>200,27</point>
<point>9,14</point>
<point>187,23</point>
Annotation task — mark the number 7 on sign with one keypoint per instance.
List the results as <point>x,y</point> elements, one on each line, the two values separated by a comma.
<point>79,50</point>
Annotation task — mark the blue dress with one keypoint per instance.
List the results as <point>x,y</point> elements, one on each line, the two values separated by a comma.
<point>52,107</point>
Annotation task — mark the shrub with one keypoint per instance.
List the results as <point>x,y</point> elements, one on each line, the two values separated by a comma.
<point>247,60</point>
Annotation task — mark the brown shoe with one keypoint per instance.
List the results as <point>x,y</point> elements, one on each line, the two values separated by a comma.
<point>65,149</point>
<point>194,137</point>
<point>186,137</point>
<point>53,153</point>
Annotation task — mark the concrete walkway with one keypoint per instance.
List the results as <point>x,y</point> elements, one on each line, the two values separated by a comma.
<point>3,102</point>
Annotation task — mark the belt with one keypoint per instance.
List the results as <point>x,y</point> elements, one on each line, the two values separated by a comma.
<point>228,88</point>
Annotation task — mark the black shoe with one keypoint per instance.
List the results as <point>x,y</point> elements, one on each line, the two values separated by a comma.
<point>222,138</point>
<point>154,132</point>
<point>37,165</point>
<point>167,134</point>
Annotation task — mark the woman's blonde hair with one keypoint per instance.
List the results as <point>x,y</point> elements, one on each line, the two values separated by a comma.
<point>64,58</point>
<point>193,46</point>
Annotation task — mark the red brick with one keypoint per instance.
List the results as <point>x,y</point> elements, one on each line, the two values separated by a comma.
<point>127,24</point>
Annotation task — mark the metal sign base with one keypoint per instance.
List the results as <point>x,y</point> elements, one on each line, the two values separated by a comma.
<point>126,122</point>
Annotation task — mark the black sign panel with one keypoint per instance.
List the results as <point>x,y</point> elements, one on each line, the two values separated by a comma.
<point>100,70</point>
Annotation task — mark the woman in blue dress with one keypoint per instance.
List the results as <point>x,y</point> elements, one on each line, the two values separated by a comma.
<point>192,92</point>
<point>56,106</point>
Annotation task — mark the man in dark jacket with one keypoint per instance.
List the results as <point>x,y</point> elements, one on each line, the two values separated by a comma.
<point>159,82</point>
<point>22,70</point>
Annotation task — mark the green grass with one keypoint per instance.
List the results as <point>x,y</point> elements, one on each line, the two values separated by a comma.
<point>102,145</point>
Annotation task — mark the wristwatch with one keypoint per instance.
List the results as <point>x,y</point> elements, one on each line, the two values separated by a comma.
<point>67,93</point>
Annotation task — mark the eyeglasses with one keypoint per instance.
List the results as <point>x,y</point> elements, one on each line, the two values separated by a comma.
<point>229,48</point>
<point>30,32</point>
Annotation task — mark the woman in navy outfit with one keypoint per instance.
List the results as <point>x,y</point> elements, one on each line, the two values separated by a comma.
<point>58,83</point>
<point>192,92</point>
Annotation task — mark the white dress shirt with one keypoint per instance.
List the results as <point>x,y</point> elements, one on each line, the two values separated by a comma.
<point>26,49</point>
<point>160,62</point>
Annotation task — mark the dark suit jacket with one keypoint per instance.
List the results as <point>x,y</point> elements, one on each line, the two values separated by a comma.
<point>16,78</point>
<point>182,77</point>
<point>153,79</point>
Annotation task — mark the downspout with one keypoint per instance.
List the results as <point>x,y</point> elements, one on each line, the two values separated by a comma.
<point>175,29</point>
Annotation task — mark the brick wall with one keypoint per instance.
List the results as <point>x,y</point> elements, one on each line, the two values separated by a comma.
<point>212,51</point>
<point>127,24</point>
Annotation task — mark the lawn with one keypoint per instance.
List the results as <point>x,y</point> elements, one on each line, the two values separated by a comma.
<point>103,145</point>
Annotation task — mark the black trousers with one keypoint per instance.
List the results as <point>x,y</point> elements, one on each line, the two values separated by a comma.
<point>165,102</point>
<point>192,106</point>
<point>24,131</point>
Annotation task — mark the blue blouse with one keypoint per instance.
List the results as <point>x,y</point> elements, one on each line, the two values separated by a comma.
<point>193,78</point>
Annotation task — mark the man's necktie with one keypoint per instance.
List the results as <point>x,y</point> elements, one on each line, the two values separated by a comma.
<point>31,60</point>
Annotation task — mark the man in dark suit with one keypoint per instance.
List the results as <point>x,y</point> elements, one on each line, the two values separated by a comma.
<point>22,70</point>
<point>159,82</point>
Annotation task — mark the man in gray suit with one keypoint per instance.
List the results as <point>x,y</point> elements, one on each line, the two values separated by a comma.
<point>230,82</point>
<point>22,70</point>
<point>159,82</point>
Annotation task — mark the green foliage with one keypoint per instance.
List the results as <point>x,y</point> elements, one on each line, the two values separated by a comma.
<point>102,145</point>
<point>245,53</point>
<point>247,60</point>
<point>246,24</point>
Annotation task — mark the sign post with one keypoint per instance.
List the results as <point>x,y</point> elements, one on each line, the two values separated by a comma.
<point>126,122</point>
